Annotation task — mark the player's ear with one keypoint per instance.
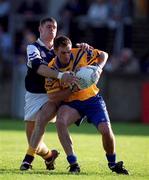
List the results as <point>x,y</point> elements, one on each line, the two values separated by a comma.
<point>56,51</point>
<point>39,29</point>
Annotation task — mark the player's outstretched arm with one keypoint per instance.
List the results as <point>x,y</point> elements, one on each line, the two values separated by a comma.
<point>35,62</point>
<point>45,71</point>
<point>65,77</point>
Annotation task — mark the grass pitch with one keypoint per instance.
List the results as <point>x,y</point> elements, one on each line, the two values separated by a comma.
<point>132,147</point>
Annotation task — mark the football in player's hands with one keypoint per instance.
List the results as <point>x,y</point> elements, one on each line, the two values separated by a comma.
<point>88,75</point>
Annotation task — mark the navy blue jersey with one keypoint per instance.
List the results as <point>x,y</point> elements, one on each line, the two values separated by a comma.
<point>37,54</point>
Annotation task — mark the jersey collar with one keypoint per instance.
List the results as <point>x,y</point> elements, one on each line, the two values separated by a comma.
<point>58,63</point>
<point>40,42</point>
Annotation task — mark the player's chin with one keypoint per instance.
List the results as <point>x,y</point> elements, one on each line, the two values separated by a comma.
<point>51,36</point>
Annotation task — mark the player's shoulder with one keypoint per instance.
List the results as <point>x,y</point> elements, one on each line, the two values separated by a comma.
<point>75,50</point>
<point>90,52</point>
<point>78,52</point>
<point>32,48</point>
<point>95,53</point>
<point>97,50</point>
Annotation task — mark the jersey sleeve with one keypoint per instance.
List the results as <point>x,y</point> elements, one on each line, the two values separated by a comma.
<point>34,59</point>
<point>93,57</point>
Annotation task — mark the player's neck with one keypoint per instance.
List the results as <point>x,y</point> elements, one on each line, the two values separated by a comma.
<point>48,43</point>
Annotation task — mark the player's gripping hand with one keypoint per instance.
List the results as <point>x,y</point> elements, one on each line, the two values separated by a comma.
<point>67,77</point>
<point>74,87</point>
<point>84,46</point>
<point>97,72</point>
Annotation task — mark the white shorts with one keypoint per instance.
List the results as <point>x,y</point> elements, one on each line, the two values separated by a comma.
<point>33,103</point>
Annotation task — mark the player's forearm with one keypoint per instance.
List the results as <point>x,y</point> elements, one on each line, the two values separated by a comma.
<point>103,59</point>
<point>45,71</point>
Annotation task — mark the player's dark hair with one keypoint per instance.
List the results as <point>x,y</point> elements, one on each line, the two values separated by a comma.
<point>47,19</point>
<point>61,41</point>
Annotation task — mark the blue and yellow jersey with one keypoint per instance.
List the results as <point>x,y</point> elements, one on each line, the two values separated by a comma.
<point>78,59</point>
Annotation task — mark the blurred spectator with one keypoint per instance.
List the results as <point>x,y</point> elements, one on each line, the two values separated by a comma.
<point>30,10</point>
<point>5,51</point>
<point>70,10</point>
<point>120,11</point>
<point>144,63</point>
<point>141,8</point>
<point>98,13</point>
<point>5,43</point>
<point>69,14</point>
<point>97,17</point>
<point>28,38</point>
<point>120,21</point>
<point>95,23</point>
<point>125,62</point>
<point>4,13</point>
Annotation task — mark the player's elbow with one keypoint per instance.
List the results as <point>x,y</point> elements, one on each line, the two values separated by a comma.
<point>105,56</point>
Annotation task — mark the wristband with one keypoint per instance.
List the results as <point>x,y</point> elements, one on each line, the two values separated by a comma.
<point>59,76</point>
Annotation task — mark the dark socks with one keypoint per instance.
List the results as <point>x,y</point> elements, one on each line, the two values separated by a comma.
<point>28,158</point>
<point>111,159</point>
<point>72,159</point>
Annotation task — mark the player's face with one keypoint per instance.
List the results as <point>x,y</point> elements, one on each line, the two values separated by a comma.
<point>64,53</point>
<point>48,30</point>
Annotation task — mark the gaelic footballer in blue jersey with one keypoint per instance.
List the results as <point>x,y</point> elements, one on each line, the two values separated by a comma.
<point>37,54</point>
<point>38,109</point>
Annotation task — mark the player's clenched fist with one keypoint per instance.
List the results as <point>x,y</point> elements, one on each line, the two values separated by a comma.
<point>68,77</point>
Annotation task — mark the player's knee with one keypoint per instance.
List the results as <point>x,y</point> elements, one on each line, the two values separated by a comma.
<point>106,130</point>
<point>41,122</point>
<point>61,122</point>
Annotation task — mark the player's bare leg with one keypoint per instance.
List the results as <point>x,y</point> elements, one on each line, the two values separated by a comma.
<point>36,145</point>
<point>46,113</point>
<point>29,127</point>
<point>108,141</point>
<point>42,148</point>
<point>65,117</point>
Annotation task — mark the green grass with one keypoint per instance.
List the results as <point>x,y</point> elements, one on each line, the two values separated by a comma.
<point>132,147</point>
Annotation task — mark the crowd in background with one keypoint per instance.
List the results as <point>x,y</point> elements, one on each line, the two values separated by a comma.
<point>105,24</point>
